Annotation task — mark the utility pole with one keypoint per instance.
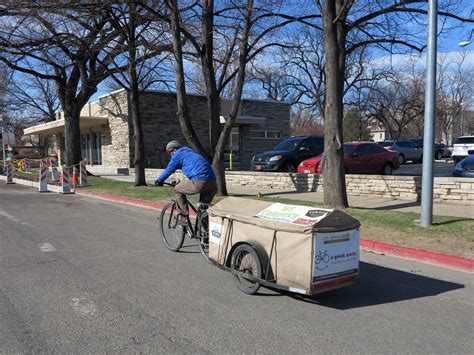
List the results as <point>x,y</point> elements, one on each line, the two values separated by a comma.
<point>428,138</point>
<point>3,141</point>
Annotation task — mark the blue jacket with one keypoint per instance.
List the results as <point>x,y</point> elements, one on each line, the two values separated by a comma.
<point>192,164</point>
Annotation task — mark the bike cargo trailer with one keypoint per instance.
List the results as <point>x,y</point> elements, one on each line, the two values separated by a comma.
<point>300,249</point>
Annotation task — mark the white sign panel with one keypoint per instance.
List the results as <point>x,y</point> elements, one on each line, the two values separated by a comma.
<point>293,214</point>
<point>335,255</point>
<point>215,233</point>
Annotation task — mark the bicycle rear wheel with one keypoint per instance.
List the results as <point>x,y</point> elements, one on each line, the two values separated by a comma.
<point>172,234</point>
<point>202,236</point>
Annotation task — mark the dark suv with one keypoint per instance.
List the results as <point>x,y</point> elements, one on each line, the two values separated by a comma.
<point>287,155</point>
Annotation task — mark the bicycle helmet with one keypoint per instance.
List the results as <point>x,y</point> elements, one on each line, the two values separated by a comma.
<point>173,144</point>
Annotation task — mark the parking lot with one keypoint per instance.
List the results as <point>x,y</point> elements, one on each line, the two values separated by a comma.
<point>441,168</point>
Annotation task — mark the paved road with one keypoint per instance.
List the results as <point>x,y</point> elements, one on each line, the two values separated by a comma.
<point>84,275</point>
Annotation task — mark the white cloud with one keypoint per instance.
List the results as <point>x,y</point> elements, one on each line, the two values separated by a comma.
<point>407,61</point>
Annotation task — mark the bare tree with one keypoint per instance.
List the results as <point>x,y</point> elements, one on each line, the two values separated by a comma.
<point>68,39</point>
<point>398,104</point>
<point>271,82</point>
<point>223,39</point>
<point>305,122</point>
<point>348,26</point>
<point>454,91</point>
<point>35,97</point>
<point>141,40</point>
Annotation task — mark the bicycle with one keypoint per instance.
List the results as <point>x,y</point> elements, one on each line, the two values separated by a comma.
<point>173,233</point>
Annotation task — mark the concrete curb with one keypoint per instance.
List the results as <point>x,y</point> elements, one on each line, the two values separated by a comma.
<point>451,261</point>
<point>440,259</point>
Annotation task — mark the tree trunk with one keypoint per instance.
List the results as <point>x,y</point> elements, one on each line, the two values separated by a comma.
<point>139,149</point>
<point>218,162</point>
<point>72,137</point>
<point>183,114</point>
<point>207,61</point>
<point>335,195</point>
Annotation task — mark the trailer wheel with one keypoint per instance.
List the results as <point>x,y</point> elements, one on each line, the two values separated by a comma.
<point>245,259</point>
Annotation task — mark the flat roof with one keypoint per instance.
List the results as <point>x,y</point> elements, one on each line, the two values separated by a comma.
<point>197,94</point>
<point>85,122</point>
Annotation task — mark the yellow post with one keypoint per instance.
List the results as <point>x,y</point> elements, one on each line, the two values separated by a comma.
<point>230,160</point>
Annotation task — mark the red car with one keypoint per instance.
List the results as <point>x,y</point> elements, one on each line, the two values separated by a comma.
<point>359,158</point>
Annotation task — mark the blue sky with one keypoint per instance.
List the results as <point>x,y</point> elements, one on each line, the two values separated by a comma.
<point>448,45</point>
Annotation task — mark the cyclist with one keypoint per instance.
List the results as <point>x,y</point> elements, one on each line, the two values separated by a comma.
<point>197,169</point>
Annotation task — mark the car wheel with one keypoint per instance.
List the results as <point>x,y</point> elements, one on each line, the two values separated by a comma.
<point>289,168</point>
<point>438,155</point>
<point>401,159</point>
<point>387,169</point>
<point>421,159</point>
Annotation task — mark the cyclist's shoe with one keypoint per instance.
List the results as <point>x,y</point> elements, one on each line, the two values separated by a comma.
<point>182,220</point>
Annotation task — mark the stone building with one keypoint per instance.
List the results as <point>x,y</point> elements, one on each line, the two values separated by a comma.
<point>107,131</point>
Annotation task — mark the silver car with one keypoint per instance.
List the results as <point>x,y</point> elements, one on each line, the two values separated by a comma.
<point>406,150</point>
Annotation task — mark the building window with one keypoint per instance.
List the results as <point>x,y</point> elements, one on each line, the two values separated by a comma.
<point>265,134</point>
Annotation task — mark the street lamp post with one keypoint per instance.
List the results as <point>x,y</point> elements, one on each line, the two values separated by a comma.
<point>428,138</point>
<point>3,141</point>
<point>468,41</point>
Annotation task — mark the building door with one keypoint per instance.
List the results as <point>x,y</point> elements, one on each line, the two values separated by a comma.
<point>91,148</point>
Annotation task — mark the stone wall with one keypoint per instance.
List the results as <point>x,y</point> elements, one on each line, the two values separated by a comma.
<point>116,137</point>
<point>408,188</point>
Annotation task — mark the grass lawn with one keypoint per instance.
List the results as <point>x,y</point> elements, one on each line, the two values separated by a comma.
<point>452,235</point>
<point>127,189</point>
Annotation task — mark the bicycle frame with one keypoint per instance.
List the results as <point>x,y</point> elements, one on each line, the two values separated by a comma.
<point>190,228</point>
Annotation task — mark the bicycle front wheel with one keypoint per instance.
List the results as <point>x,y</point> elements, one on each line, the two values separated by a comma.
<point>172,234</point>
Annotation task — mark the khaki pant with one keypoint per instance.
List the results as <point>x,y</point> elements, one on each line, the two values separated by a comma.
<point>206,188</point>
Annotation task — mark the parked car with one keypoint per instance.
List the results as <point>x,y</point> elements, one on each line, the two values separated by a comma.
<point>359,158</point>
<point>287,154</point>
<point>405,149</point>
<point>461,147</point>
<point>465,168</point>
<point>439,149</point>
<point>445,152</point>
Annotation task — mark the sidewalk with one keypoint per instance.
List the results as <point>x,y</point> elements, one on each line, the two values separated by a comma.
<point>367,201</point>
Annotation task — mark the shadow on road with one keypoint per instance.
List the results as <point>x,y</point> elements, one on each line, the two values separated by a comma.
<point>379,285</point>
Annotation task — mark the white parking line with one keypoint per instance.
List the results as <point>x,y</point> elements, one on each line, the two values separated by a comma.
<point>13,218</point>
<point>45,247</point>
